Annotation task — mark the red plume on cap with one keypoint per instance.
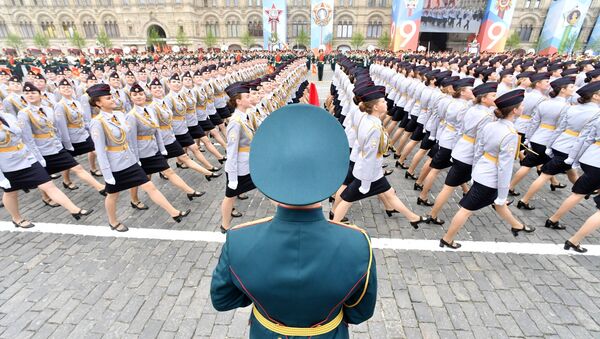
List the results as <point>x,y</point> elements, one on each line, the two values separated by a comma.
<point>313,96</point>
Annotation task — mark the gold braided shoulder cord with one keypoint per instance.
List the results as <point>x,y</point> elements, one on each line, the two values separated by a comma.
<point>78,120</point>
<point>160,116</point>
<point>108,132</point>
<point>174,103</point>
<point>151,124</point>
<point>36,123</point>
<point>7,139</point>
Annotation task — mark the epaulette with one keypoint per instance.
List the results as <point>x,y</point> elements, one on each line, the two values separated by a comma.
<point>252,223</point>
<point>354,227</point>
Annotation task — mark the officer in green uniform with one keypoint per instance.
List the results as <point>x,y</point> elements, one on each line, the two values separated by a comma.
<point>305,276</point>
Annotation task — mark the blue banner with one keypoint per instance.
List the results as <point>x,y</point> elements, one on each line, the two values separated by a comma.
<point>562,26</point>
<point>594,41</point>
<point>274,24</point>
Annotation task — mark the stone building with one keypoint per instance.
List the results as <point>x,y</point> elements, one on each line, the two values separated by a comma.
<point>128,22</point>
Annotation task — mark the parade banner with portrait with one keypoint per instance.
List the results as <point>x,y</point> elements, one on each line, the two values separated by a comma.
<point>594,41</point>
<point>562,26</point>
<point>406,22</point>
<point>495,27</point>
<point>452,16</point>
<point>321,24</point>
<point>274,24</point>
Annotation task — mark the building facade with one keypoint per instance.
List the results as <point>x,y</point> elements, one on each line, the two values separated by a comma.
<point>128,22</point>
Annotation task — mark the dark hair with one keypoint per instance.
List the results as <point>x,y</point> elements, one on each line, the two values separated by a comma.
<point>232,101</point>
<point>367,106</point>
<point>584,99</point>
<point>556,91</point>
<point>457,93</point>
<point>356,100</point>
<point>502,113</point>
<point>93,101</point>
<point>479,98</point>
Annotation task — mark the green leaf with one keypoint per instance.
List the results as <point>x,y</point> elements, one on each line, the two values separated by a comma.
<point>181,38</point>
<point>77,40</point>
<point>40,40</point>
<point>247,40</point>
<point>384,41</point>
<point>357,40</point>
<point>14,41</point>
<point>210,40</point>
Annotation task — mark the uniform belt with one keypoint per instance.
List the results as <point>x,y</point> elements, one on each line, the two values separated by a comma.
<point>178,118</point>
<point>468,138</point>
<point>201,107</point>
<point>190,111</point>
<point>450,127</point>
<point>490,157</point>
<point>244,149</point>
<point>526,117</point>
<point>546,126</point>
<point>70,125</point>
<point>145,137</point>
<point>164,128</point>
<point>298,331</point>
<point>12,148</point>
<point>572,132</point>
<point>43,135</point>
<point>597,143</point>
<point>116,148</point>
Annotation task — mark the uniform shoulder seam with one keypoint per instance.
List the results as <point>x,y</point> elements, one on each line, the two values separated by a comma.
<point>252,223</point>
<point>350,226</point>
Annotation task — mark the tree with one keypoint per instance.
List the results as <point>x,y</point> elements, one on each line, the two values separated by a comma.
<point>153,37</point>
<point>577,46</point>
<point>40,40</point>
<point>181,38</point>
<point>302,38</point>
<point>210,40</point>
<point>513,41</point>
<point>247,40</point>
<point>14,41</point>
<point>104,40</point>
<point>77,40</point>
<point>384,41</point>
<point>357,40</point>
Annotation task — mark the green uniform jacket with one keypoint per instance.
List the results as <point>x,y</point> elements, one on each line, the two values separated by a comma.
<point>299,270</point>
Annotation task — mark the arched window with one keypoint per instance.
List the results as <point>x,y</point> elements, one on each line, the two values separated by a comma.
<point>104,2</point>
<point>111,28</point>
<point>212,26</point>
<point>344,27</point>
<point>90,28</point>
<point>374,27</point>
<point>83,2</point>
<point>233,27</point>
<point>68,27</point>
<point>26,28</point>
<point>48,28</point>
<point>525,31</point>
<point>3,29</point>
<point>255,26</point>
<point>300,24</point>
<point>61,2</point>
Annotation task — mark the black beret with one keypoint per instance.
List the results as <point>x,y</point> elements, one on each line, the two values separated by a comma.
<point>539,76</point>
<point>570,71</point>
<point>155,82</point>
<point>29,87</point>
<point>129,73</point>
<point>187,75</point>
<point>485,88</point>
<point>464,82</point>
<point>237,88</point>
<point>556,84</point>
<point>449,81</point>
<point>371,93</point>
<point>525,74</point>
<point>590,88</point>
<point>98,90</point>
<point>114,75</point>
<point>511,98</point>
<point>136,88</point>
<point>64,82</point>
<point>508,71</point>
<point>91,77</point>
<point>592,74</point>
<point>175,76</point>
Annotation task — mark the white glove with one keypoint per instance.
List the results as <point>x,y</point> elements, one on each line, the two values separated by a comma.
<point>165,153</point>
<point>232,184</point>
<point>4,183</point>
<point>364,187</point>
<point>139,163</point>
<point>500,202</point>
<point>549,152</point>
<point>43,162</point>
<point>70,148</point>
<point>432,138</point>
<point>569,161</point>
<point>110,181</point>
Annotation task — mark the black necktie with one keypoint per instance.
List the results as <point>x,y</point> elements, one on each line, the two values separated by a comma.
<point>3,122</point>
<point>42,112</point>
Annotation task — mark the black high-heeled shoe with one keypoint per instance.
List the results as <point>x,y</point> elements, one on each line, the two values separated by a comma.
<point>212,175</point>
<point>526,229</point>
<point>243,196</point>
<point>138,205</point>
<point>222,160</point>
<point>223,229</point>
<point>182,166</point>
<point>196,194</point>
<point>388,172</point>
<point>96,173</point>
<point>512,193</point>
<point>81,213</point>
<point>417,187</point>
<point>102,192</point>
<point>555,187</point>
<point>401,165</point>
<point>70,186</point>
<point>407,175</point>
<point>453,245</point>
<point>385,155</point>
<point>50,203</point>
<point>24,223</point>
<point>396,156</point>
<point>555,225</point>
<point>424,202</point>
<point>415,224</point>
<point>344,219</point>
<point>116,227</point>
<point>390,213</point>
<point>162,176</point>
<point>235,214</point>
<point>215,169</point>
<point>435,220</point>
<point>576,248</point>
<point>525,206</point>
<point>182,215</point>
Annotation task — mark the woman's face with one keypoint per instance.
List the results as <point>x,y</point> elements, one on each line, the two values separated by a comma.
<point>175,85</point>
<point>106,103</point>
<point>65,91</point>
<point>187,82</point>
<point>114,82</point>
<point>569,90</point>
<point>157,91</point>
<point>138,98</point>
<point>33,97</point>
<point>488,99</point>
<point>380,107</point>
<point>518,111</point>
<point>243,102</point>
<point>39,83</point>
<point>467,93</point>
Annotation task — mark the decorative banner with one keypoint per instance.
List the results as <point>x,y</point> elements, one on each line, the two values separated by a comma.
<point>321,24</point>
<point>274,24</point>
<point>562,26</point>
<point>406,21</point>
<point>452,16</point>
<point>594,41</point>
<point>496,21</point>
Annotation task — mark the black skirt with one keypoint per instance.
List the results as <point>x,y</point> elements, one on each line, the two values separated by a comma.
<point>174,150</point>
<point>84,147</point>
<point>215,119</point>
<point>441,159</point>
<point>196,131</point>
<point>245,184</point>
<point>405,119</point>
<point>459,173</point>
<point>398,114</point>
<point>556,165</point>
<point>185,140</point>
<point>154,164</point>
<point>597,201</point>
<point>532,160</point>
<point>349,176</point>
<point>224,112</point>
<point>130,177</point>
<point>352,194</point>
<point>206,125</point>
<point>434,149</point>
<point>426,143</point>
<point>59,162</point>
<point>411,126</point>
<point>390,105</point>
<point>419,133</point>
<point>27,178</point>
<point>588,182</point>
<point>478,197</point>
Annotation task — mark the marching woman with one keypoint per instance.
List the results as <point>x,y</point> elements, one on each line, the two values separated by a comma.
<point>237,166</point>
<point>543,125</point>
<point>586,153</point>
<point>148,146</point>
<point>39,131</point>
<point>496,148</point>
<point>21,168</point>
<point>371,144</point>
<point>575,121</point>
<point>590,225</point>
<point>539,86</point>
<point>177,105</point>
<point>407,124</point>
<point>73,124</point>
<point>113,137</point>
<point>474,120</point>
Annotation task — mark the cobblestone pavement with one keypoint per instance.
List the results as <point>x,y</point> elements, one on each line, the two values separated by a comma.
<point>71,286</point>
